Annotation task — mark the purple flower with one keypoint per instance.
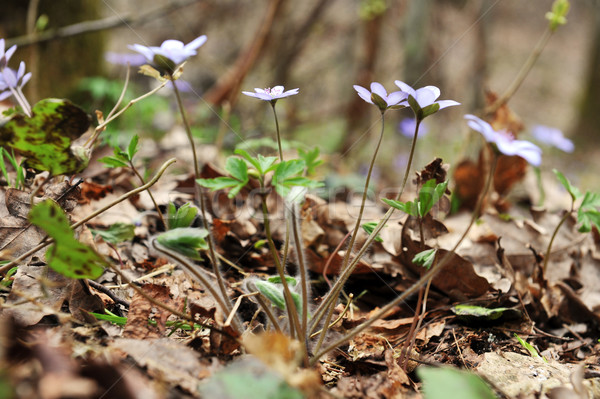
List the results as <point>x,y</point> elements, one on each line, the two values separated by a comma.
<point>423,101</point>
<point>505,141</point>
<point>407,128</point>
<point>170,53</point>
<point>271,94</point>
<point>379,97</point>
<point>5,55</point>
<point>552,136</point>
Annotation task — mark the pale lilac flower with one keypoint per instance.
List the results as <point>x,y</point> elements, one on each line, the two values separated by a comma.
<point>505,141</point>
<point>379,97</point>
<point>5,55</point>
<point>423,101</point>
<point>271,94</point>
<point>407,126</point>
<point>552,136</point>
<point>16,79</point>
<point>170,53</point>
<point>124,58</point>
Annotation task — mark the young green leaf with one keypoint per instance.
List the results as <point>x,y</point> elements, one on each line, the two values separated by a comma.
<point>273,292</point>
<point>425,258</point>
<point>369,227</point>
<point>132,149</point>
<point>261,164</point>
<point>474,313</point>
<point>116,233</point>
<point>277,280</point>
<point>185,240</point>
<point>113,162</point>
<point>288,174</point>
<point>573,191</point>
<point>532,351</point>
<point>588,214</point>
<point>219,183</point>
<point>310,158</point>
<point>237,168</point>
<point>429,195</point>
<point>410,208</point>
<point>45,138</point>
<point>67,255</point>
<point>449,383</point>
<point>182,217</point>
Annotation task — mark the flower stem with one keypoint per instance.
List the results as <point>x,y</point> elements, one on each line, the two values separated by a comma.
<point>548,253</point>
<point>289,302</point>
<point>338,286</point>
<point>139,176</point>
<point>525,69</point>
<point>410,158</point>
<point>277,130</point>
<point>211,246</point>
<point>430,274</point>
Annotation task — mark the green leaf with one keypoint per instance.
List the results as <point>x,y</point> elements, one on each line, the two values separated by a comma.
<point>132,149</point>
<point>410,208</point>
<point>237,168</point>
<point>449,383</point>
<point>260,163</point>
<point>182,217</point>
<point>310,158</point>
<point>273,292</point>
<point>587,213</point>
<point>113,162</point>
<point>430,110</point>
<point>425,258</point>
<point>369,227</point>
<point>277,280</point>
<point>67,256</point>
<point>185,240</point>
<point>116,233</point>
<point>532,351</point>
<point>118,320</point>
<point>288,169</point>
<point>45,138</point>
<point>573,191</point>
<point>429,195</point>
<point>248,379</point>
<point>473,313</point>
<point>218,183</point>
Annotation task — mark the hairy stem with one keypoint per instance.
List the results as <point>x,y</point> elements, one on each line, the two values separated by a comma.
<point>431,273</point>
<point>338,286</point>
<point>139,176</point>
<point>277,129</point>
<point>289,302</point>
<point>549,249</point>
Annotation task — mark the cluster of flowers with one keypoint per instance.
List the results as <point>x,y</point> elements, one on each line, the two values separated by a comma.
<point>11,81</point>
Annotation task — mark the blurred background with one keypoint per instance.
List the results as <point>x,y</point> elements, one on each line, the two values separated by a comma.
<point>323,47</point>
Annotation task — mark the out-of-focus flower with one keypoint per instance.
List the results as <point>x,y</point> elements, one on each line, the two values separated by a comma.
<point>16,79</point>
<point>5,55</point>
<point>505,142</point>
<point>407,126</point>
<point>552,136</point>
<point>423,101</point>
<point>170,53</point>
<point>379,97</point>
<point>271,94</point>
<point>124,58</point>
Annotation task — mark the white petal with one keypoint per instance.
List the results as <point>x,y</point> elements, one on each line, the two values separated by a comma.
<point>405,88</point>
<point>378,89</point>
<point>447,103</point>
<point>196,43</point>
<point>363,93</point>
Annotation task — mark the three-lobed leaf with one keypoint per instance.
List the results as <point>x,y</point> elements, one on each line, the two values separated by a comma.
<point>588,214</point>
<point>180,217</point>
<point>185,240</point>
<point>573,191</point>
<point>310,158</point>
<point>425,258</point>
<point>67,255</point>
<point>369,227</point>
<point>116,233</point>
